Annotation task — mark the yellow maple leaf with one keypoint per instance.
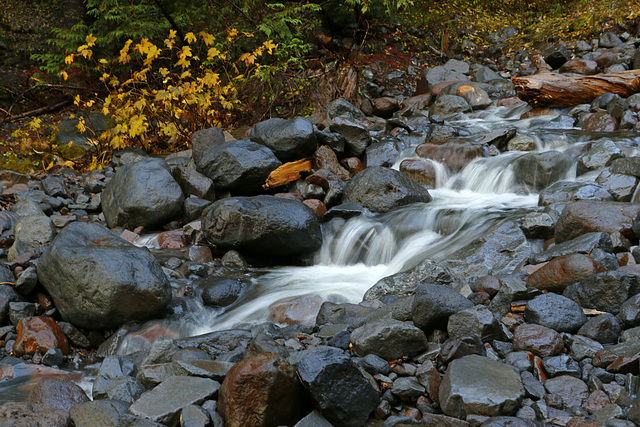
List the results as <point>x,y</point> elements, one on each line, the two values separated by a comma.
<point>64,75</point>
<point>190,37</point>
<point>270,46</point>
<point>207,38</point>
<point>91,41</point>
<point>68,59</point>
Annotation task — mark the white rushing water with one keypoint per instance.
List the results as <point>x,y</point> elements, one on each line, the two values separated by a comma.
<point>367,248</point>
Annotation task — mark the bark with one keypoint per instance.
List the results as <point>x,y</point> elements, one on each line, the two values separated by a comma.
<point>287,173</point>
<point>563,90</point>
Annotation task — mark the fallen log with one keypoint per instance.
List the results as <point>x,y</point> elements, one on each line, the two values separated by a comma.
<point>564,90</point>
<point>287,173</point>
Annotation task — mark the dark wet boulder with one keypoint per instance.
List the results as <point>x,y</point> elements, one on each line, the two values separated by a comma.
<point>588,216</point>
<point>477,320</point>
<point>383,152</point>
<point>204,139</point>
<point>57,393</point>
<point>261,390</point>
<point>556,312</point>
<point>222,291</point>
<point>621,187</point>
<point>447,105</point>
<point>556,56</point>
<point>626,166</point>
<point>289,139</point>
<point>337,387</point>
<point>605,291</point>
<point>98,280</point>
<point>142,193</point>
<point>238,166</point>
<point>455,153</point>
<point>570,191</point>
<point>381,189</point>
<point>477,385</point>
<point>603,328</point>
<point>538,339</point>
<point>356,136</point>
<point>389,339</point>
<point>433,304</point>
<point>538,170</point>
<point>584,244</point>
<point>600,122</point>
<point>343,108</point>
<point>264,226</point>
<point>193,183</point>
<point>7,296</point>
<point>600,155</point>
<point>420,170</point>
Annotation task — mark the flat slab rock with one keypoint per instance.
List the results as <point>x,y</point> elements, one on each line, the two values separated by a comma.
<point>479,385</point>
<point>163,403</point>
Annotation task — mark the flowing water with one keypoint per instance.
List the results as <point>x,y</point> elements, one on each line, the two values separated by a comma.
<point>361,251</point>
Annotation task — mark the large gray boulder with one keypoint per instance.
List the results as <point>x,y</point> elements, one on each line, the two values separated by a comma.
<point>605,291</point>
<point>389,339</point>
<point>238,166</point>
<point>556,312</point>
<point>381,189</point>
<point>288,139</point>
<point>98,280</point>
<point>477,385</point>
<point>433,304</point>
<point>587,216</point>
<point>539,170</point>
<point>142,193</point>
<point>338,388</point>
<point>262,226</point>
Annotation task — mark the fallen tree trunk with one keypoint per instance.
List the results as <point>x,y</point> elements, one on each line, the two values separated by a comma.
<point>563,90</point>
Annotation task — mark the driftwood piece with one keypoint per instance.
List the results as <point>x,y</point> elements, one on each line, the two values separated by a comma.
<point>564,90</point>
<point>287,173</point>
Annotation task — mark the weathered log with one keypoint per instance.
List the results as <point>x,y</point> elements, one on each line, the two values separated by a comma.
<point>287,173</point>
<point>564,90</point>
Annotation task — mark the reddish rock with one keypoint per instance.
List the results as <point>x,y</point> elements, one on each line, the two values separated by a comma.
<point>261,390</point>
<point>476,97</point>
<point>419,170</point>
<point>353,165</point>
<point>605,59</point>
<point>603,358</point>
<point>537,339</point>
<point>418,102</point>
<point>455,154</point>
<point>318,208</point>
<point>587,216</point>
<point>129,236</point>
<point>200,254</point>
<point>436,88</point>
<point>173,240</point>
<point>296,310</point>
<point>541,112</point>
<point>44,300</point>
<point>385,106</point>
<point>563,271</point>
<point>488,284</point>
<point>625,365</point>
<point>580,66</point>
<point>24,414</point>
<point>17,188</point>
<point>512,100</point>
<point>600,122</point>
<point>430,379</point>
<point>325,158</point>
<point>37,335</point>
<point>26,370</point>
<point>57,393</point>
<point>572,390</point>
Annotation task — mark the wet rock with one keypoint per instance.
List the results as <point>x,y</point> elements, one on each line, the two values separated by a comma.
<point>261,390</point>
<point>600,155</point>
<point>124,389</point>
<point>563,271</point>
<point>609,39</point>
<point>537,339</point>
<point>556,56</point>
<point>26,281</point>
<point>455,154</point>
<point>98,413</point>
<point>172,240</point>
<point>538,170</point>
<point>579,66</point>
<point>241,167</point>
<point>629,314</point>
<point>600,122</point>
<point>476,97</point>
<point>381,189</point>
<point>605,291</point>
<point>288,139</point>
<point>220,344</point>
<point>573,391</point>
<point>338,388</point>
<point>538,225</point>
<point>325,158</point>
<point>37,335</point>
<point>302,310</point>
<point>626,166</point>
<point>447,105</point>
<point>501,250</point>
<point>556,312</point>
<point>521,143</point>
<point>350,314</point>
<point>343,108</point>
<point>455,348</point>
<point>385,106</point>
<point>440,74</point>
<point>356,136</point>
<point>621,187</point>
<point>568,191</point>
<point>433,304</point>
<point>142,194</point>
<point>420,170</point>
<point>264,226</point>
<point>99,280</point>
<point>584,244</point>
<point>112,367</point>
<point>57,393</point>
<point>583,347</point>
<point>407,387</point>
<point>477,320</point>
<point>164,403</point>
<point>222,291</point>
<point>24,414</point>
<point>20,310</point>
<point>34,230</point>
<point>603,328</point>
<point>389,339</point>
<point>561,365</point>
<point>593,216</point>
<point>193,183</point>
<point>382,152</point>
<point>479,385</point>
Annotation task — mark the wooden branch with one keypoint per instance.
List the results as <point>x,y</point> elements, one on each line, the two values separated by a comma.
<point>564,90</point>
<point>287,173</point>
<point>38,111</point>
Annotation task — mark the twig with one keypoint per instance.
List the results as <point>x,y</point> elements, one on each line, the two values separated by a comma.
<point>38,111</point>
